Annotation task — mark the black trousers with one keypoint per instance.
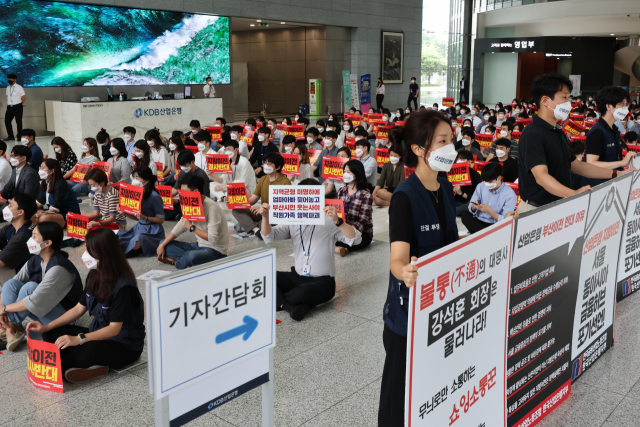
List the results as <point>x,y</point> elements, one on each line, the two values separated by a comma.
<point>415,102</point>
<point>379,99</point>
<point>13,111</point>
<point>103,353</point>
<point>391,409</point>
<point>463,94</point>
<point>472,223</point>
<point>294,289</point>
<point>366,241</point>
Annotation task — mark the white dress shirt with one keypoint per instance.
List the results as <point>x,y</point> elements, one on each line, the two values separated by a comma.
<point>242,172</point>
<point>18,170</point>
<point>5,172</point>
<point>201,159</point>
<point>205,89</point>
<point>370,169</point>
<point>15,93</point>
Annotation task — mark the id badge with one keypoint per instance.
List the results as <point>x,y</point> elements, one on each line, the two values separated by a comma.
<point>306,270</point>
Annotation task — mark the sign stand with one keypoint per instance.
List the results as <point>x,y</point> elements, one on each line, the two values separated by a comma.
<point>267,396</point>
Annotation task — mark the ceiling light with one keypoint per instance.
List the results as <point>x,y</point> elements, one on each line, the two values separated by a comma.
<point>613,34</point>
<point>283,23</point>
<point>258,20</point>
<point>252,25</point>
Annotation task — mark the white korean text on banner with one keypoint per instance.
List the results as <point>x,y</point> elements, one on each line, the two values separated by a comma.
<point>296,204</point>
<point>457,333</point>
<point>629,260</point>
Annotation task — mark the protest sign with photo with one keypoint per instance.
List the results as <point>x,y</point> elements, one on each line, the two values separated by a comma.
<point>165,192</point>
<point>130,198</point>
<point>77,226</point>
<point>219,164</point>
<point>191,205</point>
<point>237,197</point>
<point>299,204</point>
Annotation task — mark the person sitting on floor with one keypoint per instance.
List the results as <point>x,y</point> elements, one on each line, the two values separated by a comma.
<point>142,158</point>
<point>332,186</point>
<point>14,252</point>
<point>146,235</point>
<point>120,167</point>
<point>462,193</point>
<point>105,203</point>
<point>23,180</point>
<point>241,172</point>
<point>391,176</point>
<point>358,208</point>
<point>490,202</point>
<point>90,154</point>
<point>370,164</point>
<point>312,280</point>
<point>503,155</point>
<point>212,235</point>
<point>56,196</point>
<point>306,170</point>
<point>44,288</point>
<point>115,337</point>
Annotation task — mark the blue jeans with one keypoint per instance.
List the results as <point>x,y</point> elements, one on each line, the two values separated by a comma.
<point>78,188</point>
<point>190,254</point>
<point>169,180</point>
<point>14,291</point>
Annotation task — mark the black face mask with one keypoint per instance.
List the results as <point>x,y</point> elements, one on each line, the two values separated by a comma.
<point>11,82</point>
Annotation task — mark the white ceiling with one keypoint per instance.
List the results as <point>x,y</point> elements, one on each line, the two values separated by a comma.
<point>244,24</point>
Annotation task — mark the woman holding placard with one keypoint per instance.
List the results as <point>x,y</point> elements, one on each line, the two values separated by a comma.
<point>306,171</point>
<point>115,337</point>
<point>146,235</point>
<point>105,203</point>
<point>89,155</point>
<point>333,186</point>
<point>57,198</point>
<point>159,154</point>
<point>422,219</point>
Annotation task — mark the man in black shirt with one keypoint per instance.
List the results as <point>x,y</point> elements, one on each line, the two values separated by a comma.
<point>545,161</point>
<point>509,164</point>
<point>414,91</point>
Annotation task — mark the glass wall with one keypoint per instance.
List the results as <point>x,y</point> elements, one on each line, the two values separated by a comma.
<point>456,44</point>
<point>486,5</point>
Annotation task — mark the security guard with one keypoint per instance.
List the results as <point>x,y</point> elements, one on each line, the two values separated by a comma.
<point>15,100</point>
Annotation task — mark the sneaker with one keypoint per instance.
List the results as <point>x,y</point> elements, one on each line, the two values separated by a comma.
<point>298,312</point>
<point>78,375</point>
<point>3,335</point>
<point>15,341</point>
<point>167,260</point>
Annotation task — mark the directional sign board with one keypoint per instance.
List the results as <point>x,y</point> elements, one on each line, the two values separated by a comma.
<point>207,322</point>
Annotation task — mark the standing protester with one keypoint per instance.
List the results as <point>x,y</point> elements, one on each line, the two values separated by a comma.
<point>414,92</point>
<point>464,91</point>
<point>208,89</point>
<point>545,160</point>
<point>380,93</point>
<point>16,98</point>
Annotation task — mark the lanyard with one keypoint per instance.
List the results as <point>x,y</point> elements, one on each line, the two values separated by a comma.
<point>307,253</point>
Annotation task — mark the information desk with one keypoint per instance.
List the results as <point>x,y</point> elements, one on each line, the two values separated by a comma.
<point>75,121</point>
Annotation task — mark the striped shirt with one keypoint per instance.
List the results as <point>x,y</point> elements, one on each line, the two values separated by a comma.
<point>107,205</point>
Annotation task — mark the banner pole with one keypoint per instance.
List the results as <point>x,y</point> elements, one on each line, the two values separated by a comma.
<point>267,396</point>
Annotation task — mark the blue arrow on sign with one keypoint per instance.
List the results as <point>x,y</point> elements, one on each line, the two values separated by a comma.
<point>250,325</point>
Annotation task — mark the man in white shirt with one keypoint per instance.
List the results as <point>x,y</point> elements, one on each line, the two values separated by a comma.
<point>370,164</point>
<point>16,97</point>
<point>129,137</point>
<point>209,90</point>
<point>235,134</point>
<point>204,148</point>
<point>5,167</point>
<point>242,171</point>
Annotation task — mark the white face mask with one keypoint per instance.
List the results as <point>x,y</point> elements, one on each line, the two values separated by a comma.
<point>288,149</point>
<point>201,147</point>
<point>345,127</point>
<point>413,81</point>
<point>442,159</point>
<point>172,147</point>
<point>504,133</point>
<point>394,159</point>
<point>267,169</point>
<point>500,153</point>
<point>407,111</point>
<point>113,151</point>
<point>89,261</point>
<point>270,127</point>
<point>139,154</point>
<point>126,137</point>
<point>151,143</point>
<point>14,162</point>
<point>621,113</point>
<point>500,116</point>
<point>34,247</point>
<point>229,153</point>
<point>284,122</point>
<point>320,130</point>
<point>466,142</point>
<point>43,174</point>
<point>194,131</point>
<point>234,136</point>
<point>486,118</point>
<point>309,140</point>
<point>85,149</point>
<point>97,190</point>
<point>457,108</point>
<point>300,158</point>
<point>24,141</point>
<point>359,152</point>
<point>490,185</point>
<point>185,169</point>
<point>247,127</point>
<point>260,138</point>
<point>347,177</point>
<point>516,111</point>
<point>58,150</point>
<point>136,182</point>
<point>473,113</point>
<point>561,112</point>
<point>328,143</point>
<point>7,214</point>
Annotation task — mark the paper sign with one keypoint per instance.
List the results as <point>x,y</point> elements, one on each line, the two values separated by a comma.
<point>160,171</point>
<point>299,204</point>
<point>588,124</point>
<point>44,365</point>
<point>297,131</point>
<point>448,102</point>
<point>514,135</point>
<point>178,170</point>
<point>365,117</point>
<point>77,225</point>
<point>291,164</point>
<point>382,156</point>
<point>339,204</point>
<point>130,198</point>
<point>192,148</point>
<point>408,172</point>
<point>282,128</point>
<point>218,164</point>
<point>237,197</point>
<point>355,119</point>
<point>165,192</point>
<point>314,155</point>
<point>116,185</point>
<point>459,174</point>
<point>79,171</point>
<point>383,132</point>
<point>191,205</point>
<point>247,137</point>
<point>485,140</point>
<point>573,128</point>
<point>332,167</point>
<point>104,166</point>
<point>215,132</point>
<point>479,165</point>
<point>516,189</point>
<point>524,122</point>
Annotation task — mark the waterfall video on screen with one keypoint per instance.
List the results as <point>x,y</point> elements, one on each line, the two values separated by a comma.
<point>64,44</point>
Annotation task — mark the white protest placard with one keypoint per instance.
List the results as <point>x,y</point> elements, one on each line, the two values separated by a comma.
<point>629,260</point>
<point>296,204</point>
<point>457,331</point>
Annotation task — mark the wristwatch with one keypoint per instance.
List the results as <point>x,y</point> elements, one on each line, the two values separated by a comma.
<point>3,309</point>
<point>340,222</point>
<point>614,174</point>
<point>82,338</point>
<point>193,227</point>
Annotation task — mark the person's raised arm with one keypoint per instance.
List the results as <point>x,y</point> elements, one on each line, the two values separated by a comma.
<point>549,183</point>
<point>594,159</point>
<point>265,229</point>
<point>591,171</point>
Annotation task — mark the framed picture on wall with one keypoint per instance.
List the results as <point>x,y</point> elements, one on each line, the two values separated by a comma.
<point>392,56</point>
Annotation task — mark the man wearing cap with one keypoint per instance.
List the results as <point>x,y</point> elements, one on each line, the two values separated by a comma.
<point>15,98</point>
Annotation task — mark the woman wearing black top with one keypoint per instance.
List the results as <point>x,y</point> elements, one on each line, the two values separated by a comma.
<point>422,219</point>
<point>57,197</point>
<point>65,155</point>
<point>115,337</point>
<point>104,140</point>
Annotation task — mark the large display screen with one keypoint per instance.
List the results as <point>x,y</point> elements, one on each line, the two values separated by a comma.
<point>64,44</point>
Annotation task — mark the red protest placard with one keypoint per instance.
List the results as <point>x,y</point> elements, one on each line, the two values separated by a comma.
<point>294,122</point>
<point>237,197</point>
<point>247,137</point>
<point>383,132</point>
<point>44,365</point>
<point>376,123</point>
<point>588,124</point>
<point>373,117</point>
<point>159,171</point>
<point>191,205</point>
<point>399,123</point>
<point>573,128</point>
<point>297,131</point>
<point>219,164</point>
<point>178,170</point>
<point>459,174</point>
<point>459,121</point>
<point>516,189</point>
<point>485,140</point>
<point>338,203</point>
<point>332,167</point>
<point>582,139</point>
<point>116,185</point>
<point>355,119</point>
<point>79,171</point>
<point>365,118</point>
<point>634,148</point>
<point>77,225</point>
<point>350,143</point>
<point>578,118</point>
<point>281,127</point>
<point>478,165</point>
<point>130,198</point>
<point>291,164</point>
<point>382,156</point>
<point>408,172</point>
<point>192,148</point>
<point>215,132</point>
<point>104,166</point>
<point>165,192</point>
<point>524,122</point>
<point>448,102</point>
<point>516,136</point>
<point>314,154</point>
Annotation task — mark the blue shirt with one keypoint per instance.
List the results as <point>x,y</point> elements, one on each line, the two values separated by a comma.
<point>130,149</point>
<point>502,200</point>
<point>36,157</point>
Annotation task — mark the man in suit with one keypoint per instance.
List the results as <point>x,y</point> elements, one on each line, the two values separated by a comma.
<point>23,180</point>
<point>464,91</point>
